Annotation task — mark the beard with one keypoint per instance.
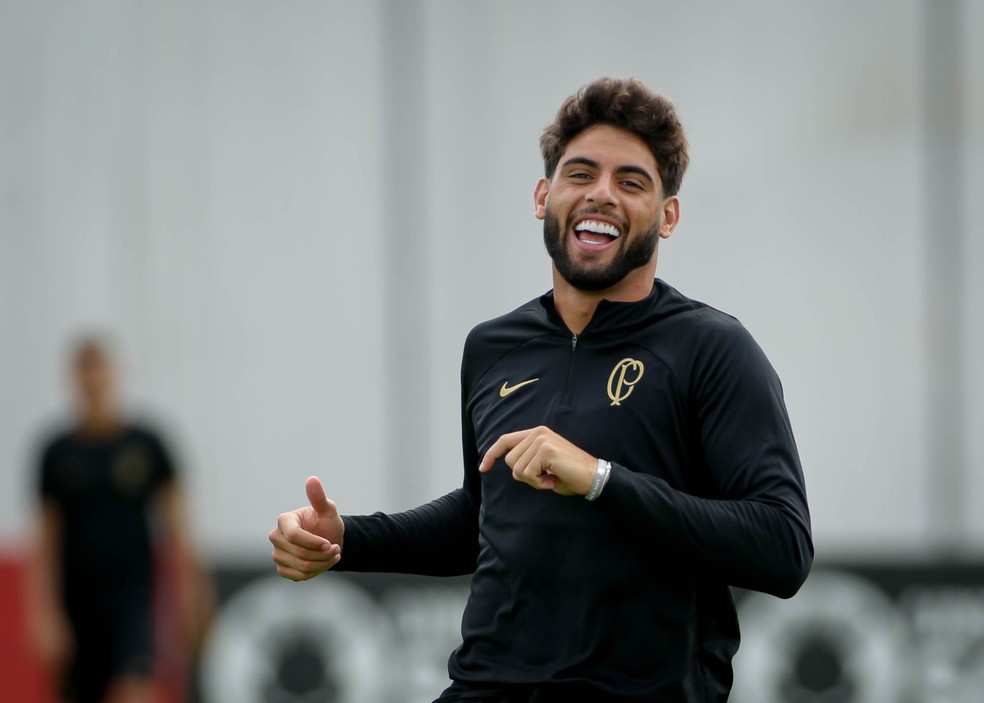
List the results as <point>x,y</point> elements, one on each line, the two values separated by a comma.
<point>630,256</point>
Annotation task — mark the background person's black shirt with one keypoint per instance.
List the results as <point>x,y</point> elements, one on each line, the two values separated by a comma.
<point>104,490</point>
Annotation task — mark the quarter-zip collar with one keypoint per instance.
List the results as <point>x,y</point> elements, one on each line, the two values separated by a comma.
<point>611,316</point>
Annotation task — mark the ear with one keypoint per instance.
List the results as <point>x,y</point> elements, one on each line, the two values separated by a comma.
<point>671,216</point>
<point>540,198</point>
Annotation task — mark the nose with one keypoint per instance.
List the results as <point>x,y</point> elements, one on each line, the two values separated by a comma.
<point>601,193</point>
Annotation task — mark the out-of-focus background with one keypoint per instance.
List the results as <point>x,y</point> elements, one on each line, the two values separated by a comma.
<point>289,214</point>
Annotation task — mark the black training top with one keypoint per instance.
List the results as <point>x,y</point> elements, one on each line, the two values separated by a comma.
<point>629,593</point>
<point>103,489</point>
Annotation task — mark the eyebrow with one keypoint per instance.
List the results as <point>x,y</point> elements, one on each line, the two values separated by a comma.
<point>628,168</point>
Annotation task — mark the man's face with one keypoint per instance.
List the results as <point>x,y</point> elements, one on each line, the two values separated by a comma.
<point>93,378</point>
<point>603,209</point>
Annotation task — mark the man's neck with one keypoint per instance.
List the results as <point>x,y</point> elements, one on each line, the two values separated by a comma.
<point>99,422</point>
<point>576,307</point>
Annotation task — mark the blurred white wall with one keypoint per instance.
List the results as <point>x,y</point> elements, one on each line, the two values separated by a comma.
<point>972,261</point>
<point>292,213</point>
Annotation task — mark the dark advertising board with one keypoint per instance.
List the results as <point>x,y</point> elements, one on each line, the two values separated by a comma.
<point>855,633</point>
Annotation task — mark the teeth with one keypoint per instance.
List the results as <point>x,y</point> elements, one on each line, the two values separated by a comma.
<point>597,228</point>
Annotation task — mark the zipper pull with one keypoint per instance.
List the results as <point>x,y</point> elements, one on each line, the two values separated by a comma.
<point>574,343</point>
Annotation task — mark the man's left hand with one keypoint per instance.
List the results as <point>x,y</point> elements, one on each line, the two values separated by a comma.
<point>545,460</point>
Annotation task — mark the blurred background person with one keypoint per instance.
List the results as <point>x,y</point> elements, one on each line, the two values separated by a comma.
<point>116,597</point>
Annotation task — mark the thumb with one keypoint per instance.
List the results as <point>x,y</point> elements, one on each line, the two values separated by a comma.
<point>316,496</point>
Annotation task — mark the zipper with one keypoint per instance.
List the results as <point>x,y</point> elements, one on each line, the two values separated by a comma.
<point>566,398</point>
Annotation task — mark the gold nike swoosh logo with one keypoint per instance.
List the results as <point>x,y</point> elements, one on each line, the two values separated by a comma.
<point>507,389</point>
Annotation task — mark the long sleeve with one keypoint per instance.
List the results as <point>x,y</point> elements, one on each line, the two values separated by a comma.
<point>755,530</point>
<point>438,538</point>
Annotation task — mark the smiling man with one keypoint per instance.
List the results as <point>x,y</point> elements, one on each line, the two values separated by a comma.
<point>627,452</point>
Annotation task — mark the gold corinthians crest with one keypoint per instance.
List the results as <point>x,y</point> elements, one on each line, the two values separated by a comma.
<point>622,380</point>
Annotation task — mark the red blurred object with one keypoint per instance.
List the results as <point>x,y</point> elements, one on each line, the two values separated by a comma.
<point>23,680</point>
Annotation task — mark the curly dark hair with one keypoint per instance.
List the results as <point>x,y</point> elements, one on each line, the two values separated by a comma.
<point>628,104</point>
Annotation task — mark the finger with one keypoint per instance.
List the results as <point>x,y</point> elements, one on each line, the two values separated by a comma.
<point>290,553</point>
<point>533,467</point>
<point>500,447</point>
<point>287,559</point>
<point>295,574</point>
<point>289,525</point>
<point>279,541</point>
<point>291,574</point>
<point>522,456</point>
<point>304,566</point>
<point>317,498</point>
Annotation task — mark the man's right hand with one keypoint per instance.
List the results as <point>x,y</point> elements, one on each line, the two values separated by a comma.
<point>308,541</point>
